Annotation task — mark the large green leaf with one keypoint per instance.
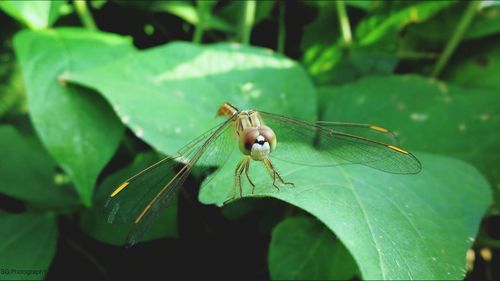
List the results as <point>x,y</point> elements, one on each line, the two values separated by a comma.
<point>35,14</point>
<point>27,246</point>
<point>27,171</point>
<point>93,220</point>
<point>304,249</point>
<point>78,128</point>
<point>170,94</point>
<point>395,226</point>
<point>428,115</point>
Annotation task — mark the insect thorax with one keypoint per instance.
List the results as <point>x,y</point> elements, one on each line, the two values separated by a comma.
<point>247,119</point>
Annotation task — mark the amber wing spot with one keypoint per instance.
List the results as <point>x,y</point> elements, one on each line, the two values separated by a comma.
<point>398,149</point>
<point>119,188</point>
<point>378,128</point>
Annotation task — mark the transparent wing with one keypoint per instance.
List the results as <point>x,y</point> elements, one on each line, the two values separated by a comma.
<point>127,201</point>
<point>369,131</point>
<point>140,199</point>
<point>335,147</point>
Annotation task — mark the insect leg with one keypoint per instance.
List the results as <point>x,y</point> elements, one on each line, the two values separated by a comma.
<point>237,179</point>
<point>241,169</point>
<point>271,171</point>
<point>270,166</point>
<point>247,168</point>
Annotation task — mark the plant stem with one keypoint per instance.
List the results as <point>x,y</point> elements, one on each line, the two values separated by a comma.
<point>201,10</point>
<point>88,256</point>
<point>281,28</point>
<point>452,44</point>
<point>345,27</point>
<point>248,21</point>
<point>84,14</point>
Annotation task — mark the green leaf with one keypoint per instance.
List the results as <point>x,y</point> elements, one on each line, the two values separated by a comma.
<point>76,126</point>
<point>264,10</point>
<point>187,12</point>
<point>477,68</point>
<point>97,4</point>
<point>12,97</point>
<point>304,249</point>
<point>27,171</point>
<point>93,220</point>
<point>331,65</point>
<point>184,10</point>
<point>320,43</point>
<point>395,226</point>
<point>438,29</point>
<point>387,21</point>
<point>364,5</point>
<point>329,62</point>
<point>320,31</point>
<point>34,14</point>
<point>169,95</point>
<point>27,246</point>
<point>233,12</point>
<point>427,115</point>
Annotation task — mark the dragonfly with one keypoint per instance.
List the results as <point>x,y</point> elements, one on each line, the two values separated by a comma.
<point>259,137</point>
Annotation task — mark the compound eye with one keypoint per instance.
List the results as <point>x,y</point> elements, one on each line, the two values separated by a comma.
<point>269,135</point>
<point>247,139</point>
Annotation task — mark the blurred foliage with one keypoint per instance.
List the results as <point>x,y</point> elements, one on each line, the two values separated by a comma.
<point>91,91</point>
<point>40,188</point>
<point>34,14</point>
<point>291,255</point>
<point>27,254</point>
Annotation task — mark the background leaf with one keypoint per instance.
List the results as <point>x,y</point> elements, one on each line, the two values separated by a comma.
<point>395,226</point>
<point>77,127</point>
<point>27,254</point>
<point>427,115</point>
<point>12,98</point>
<point>93,220</point>
<point>233,11</point>
<point>169,95</point>
<point>438,29</point>
<point>329,61</point>
<point>34,14</point>
<point>189,13</point>
<point>303,248</point>
<point>390,18</point>
<point>478,69</point>
<point>28,172</point>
